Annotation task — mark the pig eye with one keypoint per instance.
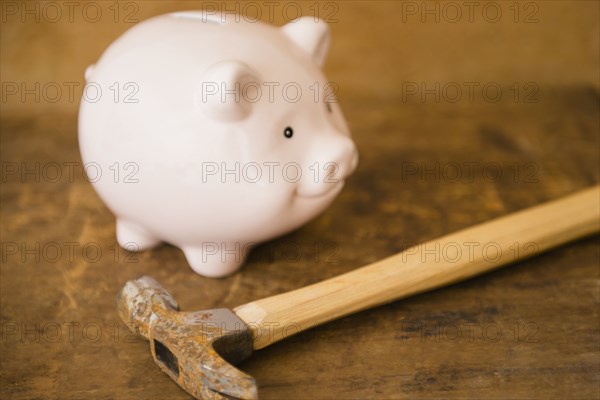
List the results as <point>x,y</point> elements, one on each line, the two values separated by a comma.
<point>328,106</point>
<point>288,132</point>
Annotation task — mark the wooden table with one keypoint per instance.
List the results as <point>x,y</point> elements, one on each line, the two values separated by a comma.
<point>527,331</point>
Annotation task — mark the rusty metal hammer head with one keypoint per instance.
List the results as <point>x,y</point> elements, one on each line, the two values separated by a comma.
<point>196,349</point>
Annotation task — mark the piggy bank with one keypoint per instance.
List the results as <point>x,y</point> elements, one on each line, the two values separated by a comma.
<point>213,134</point>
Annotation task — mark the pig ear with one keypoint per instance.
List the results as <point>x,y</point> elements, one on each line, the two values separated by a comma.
<point>311,36</point>
<point>227,91</point>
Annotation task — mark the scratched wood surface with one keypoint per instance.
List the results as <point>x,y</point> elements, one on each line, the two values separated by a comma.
<point>528,331</point>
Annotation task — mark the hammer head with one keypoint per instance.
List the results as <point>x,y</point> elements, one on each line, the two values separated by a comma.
<point>196,349</point>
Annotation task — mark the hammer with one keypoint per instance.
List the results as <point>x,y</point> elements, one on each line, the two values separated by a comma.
<point>197,349</point>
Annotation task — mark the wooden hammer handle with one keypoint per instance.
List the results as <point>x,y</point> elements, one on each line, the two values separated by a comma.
<point>436,263</point>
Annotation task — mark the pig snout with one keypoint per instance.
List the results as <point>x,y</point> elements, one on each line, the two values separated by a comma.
<point>344,160</point>
<point>335,158</point>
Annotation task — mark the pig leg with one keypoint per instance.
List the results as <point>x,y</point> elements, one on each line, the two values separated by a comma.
<point>216,260</point>
<point>132,237</point>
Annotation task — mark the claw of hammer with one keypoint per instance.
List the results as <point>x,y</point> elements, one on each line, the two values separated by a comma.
<point>194,348</point>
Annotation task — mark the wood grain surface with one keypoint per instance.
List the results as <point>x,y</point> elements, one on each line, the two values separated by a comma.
<point>527,331</point>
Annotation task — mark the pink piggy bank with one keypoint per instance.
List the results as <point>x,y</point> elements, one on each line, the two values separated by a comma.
<point>213,134</point>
